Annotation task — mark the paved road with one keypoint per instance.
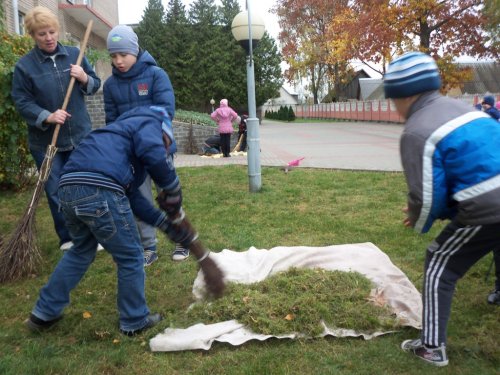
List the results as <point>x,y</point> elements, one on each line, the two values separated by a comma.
<point>338,145</point>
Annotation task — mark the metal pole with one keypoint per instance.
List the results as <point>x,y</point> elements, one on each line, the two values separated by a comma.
<point>253,137</point>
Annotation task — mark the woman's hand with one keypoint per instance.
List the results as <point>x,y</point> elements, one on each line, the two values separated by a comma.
<point>58,117</point>
<point>79,74</point>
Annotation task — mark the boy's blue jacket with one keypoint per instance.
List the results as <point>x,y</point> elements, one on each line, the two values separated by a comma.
<point>451,156</point>
<point>143,85</point>
<point>119,155</point>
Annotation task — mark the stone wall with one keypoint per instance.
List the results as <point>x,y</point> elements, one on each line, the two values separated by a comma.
<point>95,107</point>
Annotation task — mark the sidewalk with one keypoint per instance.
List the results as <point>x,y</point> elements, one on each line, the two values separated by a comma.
<point>337,145</point>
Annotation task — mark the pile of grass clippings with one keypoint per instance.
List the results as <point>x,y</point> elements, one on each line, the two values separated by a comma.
<point>296,301</point>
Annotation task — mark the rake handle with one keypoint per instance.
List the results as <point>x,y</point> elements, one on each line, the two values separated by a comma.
<point>72,80</point>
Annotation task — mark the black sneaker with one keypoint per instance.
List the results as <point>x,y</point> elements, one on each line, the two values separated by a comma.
<point>151,321</point>
<point>494,298</point>
<point>435,356</point>
<point>150,257</point>
<point>35,324</point>
<point>180,253</point>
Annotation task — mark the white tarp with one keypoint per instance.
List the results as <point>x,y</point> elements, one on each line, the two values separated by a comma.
<point>392,287</point>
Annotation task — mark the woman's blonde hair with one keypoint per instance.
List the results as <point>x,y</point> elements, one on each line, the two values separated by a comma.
<point>40,17</point>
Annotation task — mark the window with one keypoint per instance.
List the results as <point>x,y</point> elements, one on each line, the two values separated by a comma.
<point>20,19</point>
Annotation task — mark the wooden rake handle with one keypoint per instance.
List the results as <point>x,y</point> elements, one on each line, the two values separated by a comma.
<point>72,80</point>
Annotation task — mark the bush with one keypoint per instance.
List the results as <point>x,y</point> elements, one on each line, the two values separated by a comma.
<point>191,117</point>
<point>284,113</point>
<point>16,163</point>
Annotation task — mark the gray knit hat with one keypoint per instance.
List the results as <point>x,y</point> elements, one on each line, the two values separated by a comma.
<point>411,74</point>
<point>122,38</point>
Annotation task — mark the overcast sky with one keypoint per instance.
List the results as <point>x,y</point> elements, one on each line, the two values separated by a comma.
<point>132,11</point>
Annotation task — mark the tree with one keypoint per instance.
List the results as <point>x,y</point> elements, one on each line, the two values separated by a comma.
<point>492,14</point>
<point>228,10</point>
<point>197,50</point>
<point>177,37</point>
<point>442,28</point>
<point>151,30</point>
<point>204,12</point>
<point>268,79</point>
<point>304,44</point>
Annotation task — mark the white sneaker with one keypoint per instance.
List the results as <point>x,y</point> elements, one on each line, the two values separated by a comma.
<point>66,246</point>
<point>99,247</point>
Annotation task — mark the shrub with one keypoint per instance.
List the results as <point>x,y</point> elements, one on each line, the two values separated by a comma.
<point>291,114</point>
<point>16,163</point>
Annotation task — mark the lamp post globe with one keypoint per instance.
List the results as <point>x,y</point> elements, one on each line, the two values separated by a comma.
<point>245,24</point>
<point>248,28</point>
<point>212,102</point>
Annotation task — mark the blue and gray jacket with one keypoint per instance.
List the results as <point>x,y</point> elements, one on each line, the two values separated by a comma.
<point>38,88</point>
<point>451,156</point>
<point>119,155</point>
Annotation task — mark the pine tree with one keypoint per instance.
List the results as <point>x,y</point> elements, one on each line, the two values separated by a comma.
<point>177,37</point>
<point>151,30</point>
<point>268,77</point>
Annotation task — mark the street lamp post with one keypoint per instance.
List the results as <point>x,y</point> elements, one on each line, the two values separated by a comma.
<point>212,102</point>
<point>248,28</point>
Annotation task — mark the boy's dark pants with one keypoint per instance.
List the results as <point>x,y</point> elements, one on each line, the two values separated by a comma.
<point>449,257</point>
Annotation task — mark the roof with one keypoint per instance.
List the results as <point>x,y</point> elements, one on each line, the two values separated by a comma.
<point>486,77</point>
<point>368,86</point>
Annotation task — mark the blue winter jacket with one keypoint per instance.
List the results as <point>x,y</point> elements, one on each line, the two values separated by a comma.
<point>493,112</point>
<point>451,157</point>
<point>119,155</point>
<point>38,88</point>
<point>145,84</point>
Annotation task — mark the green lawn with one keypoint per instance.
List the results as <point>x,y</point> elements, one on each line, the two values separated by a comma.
<point>304,207</point>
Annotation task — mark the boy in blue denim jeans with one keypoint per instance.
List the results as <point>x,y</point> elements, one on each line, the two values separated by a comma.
<point>99,196</point>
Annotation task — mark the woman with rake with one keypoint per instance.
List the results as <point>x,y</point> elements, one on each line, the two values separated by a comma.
<point>38,91</point>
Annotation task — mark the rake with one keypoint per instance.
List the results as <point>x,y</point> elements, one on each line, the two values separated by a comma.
<point>19,255</point>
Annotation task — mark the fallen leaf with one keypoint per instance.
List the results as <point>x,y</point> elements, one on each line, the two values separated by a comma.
<point>289,317</point>
<point>377,298</point>
<point>86,315</point>
<point>246,299</point>
<point>116,341</point>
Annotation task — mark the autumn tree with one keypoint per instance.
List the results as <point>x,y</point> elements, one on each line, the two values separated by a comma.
<point>304,44</point>
<point>371,31</point>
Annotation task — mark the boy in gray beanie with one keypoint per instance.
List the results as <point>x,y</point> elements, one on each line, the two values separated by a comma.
<point>138,81</point>
<point>123,39</point>
<point>451,161</point>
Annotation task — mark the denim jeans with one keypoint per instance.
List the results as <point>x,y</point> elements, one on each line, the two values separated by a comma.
<point>51,186</point>
<point>93,215</point>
